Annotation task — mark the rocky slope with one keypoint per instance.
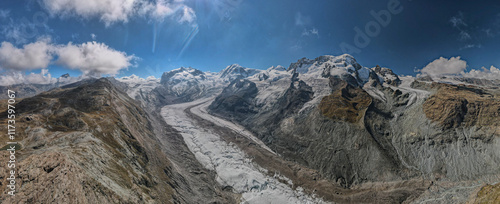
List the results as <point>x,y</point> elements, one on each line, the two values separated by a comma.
<point>357,125</point>
<point>90,143</point>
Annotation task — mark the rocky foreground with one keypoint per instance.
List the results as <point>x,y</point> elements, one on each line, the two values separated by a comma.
<point>90,143</point>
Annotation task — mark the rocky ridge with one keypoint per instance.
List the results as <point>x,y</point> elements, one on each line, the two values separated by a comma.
<point>90,143</point>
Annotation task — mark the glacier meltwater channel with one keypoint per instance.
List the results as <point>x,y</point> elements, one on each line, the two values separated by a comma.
<point>231,164</point>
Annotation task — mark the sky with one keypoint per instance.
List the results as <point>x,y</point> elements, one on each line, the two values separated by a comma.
<point>148,37</point>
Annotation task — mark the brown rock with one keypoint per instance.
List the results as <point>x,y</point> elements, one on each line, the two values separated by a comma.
<point>346,103</point>
<point>453,106</point>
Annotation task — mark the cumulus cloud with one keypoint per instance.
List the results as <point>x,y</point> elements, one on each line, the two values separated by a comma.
<point>90,58</point>
<point>443,66</point>
<point>484,73</point>
<point>35,55</point>
<point>93,58</point>
<point>457,67</point>
<point>112,11</point>
<point>134,79</point>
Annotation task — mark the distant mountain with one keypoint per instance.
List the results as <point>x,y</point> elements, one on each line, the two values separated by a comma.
<point>357,125</point>
<point>28,90</point>
<point>235,71</point>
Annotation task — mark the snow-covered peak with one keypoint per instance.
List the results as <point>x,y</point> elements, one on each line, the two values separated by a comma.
<point>276,68</point>
<point>325,66</point>
<point>236,71</point>
<point>386,75</point>
<point>137,85</point>
<point>182,74</point>
<point>273,73</point>
<point>343,66</point>
<point>134,79</point>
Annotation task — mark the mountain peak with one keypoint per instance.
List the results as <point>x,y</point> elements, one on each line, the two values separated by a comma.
<point>181,74</point>
<point>304,65</point>
<point>235,71</point>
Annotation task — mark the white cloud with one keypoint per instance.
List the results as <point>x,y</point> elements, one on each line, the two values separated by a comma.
<point>492,73</point>
<point>113,11</point>
<point>159,10</point>
<point>93,36</point>
<point>109,11</point>
<point>93,58</point>
<point>457,67</point>
<point>134,79</point>
<point>187,16</point>
<point>443,66</point>
<point>35,55</point>
<point>90,58</point>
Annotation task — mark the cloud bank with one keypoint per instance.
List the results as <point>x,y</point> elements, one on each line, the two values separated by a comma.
<point>457,67</point>
<point>491,74</point>
<point>91,58</point>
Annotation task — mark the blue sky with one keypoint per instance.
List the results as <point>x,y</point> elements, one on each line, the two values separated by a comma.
<point>161,35</point>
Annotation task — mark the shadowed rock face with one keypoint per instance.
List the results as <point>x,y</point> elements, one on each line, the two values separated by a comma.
<point>236,98</point>
<point>429,130</point>
<point>90,143</point>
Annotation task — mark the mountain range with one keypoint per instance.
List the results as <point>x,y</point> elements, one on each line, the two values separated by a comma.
<point>323,130</point>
